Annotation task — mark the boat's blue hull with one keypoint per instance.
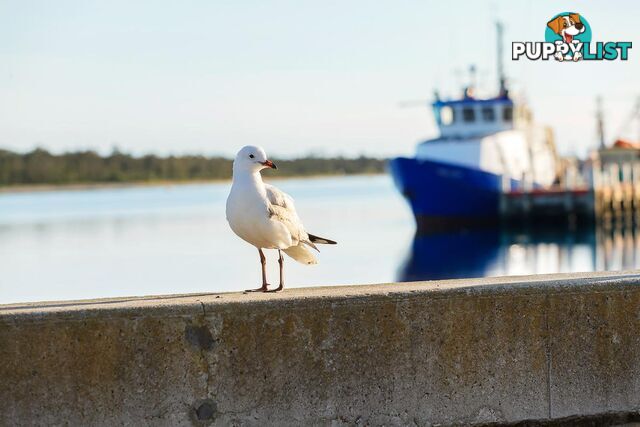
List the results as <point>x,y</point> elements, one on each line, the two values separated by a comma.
<point>447,195</point>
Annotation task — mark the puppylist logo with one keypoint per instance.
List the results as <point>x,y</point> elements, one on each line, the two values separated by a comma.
<point>568,38</point>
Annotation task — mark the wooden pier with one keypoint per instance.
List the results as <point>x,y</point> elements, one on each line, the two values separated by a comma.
<point>605,194</point>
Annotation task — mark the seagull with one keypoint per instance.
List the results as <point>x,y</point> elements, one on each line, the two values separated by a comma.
<point>266,217</point>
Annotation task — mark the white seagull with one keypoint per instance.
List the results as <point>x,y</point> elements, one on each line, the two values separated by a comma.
<point>264,216</point>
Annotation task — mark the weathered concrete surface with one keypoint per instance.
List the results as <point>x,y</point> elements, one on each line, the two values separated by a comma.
<point>450,352</point>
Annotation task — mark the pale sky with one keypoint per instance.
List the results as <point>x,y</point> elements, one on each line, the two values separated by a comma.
<point>294,76</point>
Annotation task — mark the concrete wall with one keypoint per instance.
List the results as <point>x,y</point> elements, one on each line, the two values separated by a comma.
<point>473,351</point>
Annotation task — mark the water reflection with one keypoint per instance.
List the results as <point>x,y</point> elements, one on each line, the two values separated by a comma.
<point>451,255</point>
<point>499,252</point>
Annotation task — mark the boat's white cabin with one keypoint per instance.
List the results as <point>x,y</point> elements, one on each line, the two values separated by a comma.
<point>470,117</point>
<point>491,135</point>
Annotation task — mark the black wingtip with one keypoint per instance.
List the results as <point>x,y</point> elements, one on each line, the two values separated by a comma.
<point>321,240</point>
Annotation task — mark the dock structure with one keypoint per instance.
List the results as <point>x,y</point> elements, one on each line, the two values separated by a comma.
<point>606,194</point>
<point>536,350</point>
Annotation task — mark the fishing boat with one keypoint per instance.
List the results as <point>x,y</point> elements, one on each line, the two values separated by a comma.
<point>485,146</point>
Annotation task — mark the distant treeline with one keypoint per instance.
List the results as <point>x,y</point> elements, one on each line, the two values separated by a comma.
<point>41,167</point>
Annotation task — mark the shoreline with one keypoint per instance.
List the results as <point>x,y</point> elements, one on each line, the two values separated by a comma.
<point>44,188</point>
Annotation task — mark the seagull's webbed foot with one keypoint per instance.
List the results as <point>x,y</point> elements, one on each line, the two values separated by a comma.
<point>279,288</point>
<point>264,288</point>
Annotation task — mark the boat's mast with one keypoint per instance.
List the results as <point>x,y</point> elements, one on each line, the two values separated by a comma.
<point>600,122</point>
<point>501,78</point>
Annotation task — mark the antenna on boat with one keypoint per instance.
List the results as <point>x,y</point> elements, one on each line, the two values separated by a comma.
<point>473,81</point>
<point>470,89</point>
<point>502,80</point>
<point>600,122</point>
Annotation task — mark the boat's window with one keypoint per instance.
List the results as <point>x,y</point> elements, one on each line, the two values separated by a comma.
<point>468,114</point>
<point>488,114</point>
<point>507,114</point>
<point>447,115</point>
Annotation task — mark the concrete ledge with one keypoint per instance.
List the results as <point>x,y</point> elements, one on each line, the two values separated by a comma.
<point>506,350</point>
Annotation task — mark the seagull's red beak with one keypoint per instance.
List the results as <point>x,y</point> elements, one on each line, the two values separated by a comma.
<point>269,164</point>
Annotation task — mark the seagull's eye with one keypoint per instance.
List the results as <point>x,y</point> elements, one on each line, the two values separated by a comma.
<point>251,156</point>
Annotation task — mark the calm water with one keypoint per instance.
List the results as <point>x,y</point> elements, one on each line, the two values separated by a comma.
<point>159,240</point>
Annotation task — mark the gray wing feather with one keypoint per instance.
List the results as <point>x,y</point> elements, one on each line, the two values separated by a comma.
<point>282,209</point>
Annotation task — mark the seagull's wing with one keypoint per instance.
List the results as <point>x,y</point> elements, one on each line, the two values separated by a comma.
<point>283,210</point>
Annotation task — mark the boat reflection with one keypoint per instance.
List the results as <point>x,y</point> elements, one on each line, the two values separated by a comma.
<point>451,255</point>
<point>499,252</point>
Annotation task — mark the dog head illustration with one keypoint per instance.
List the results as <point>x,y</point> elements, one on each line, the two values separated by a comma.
<point>567,26</point>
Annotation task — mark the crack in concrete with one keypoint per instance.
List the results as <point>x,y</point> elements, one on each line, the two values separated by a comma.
<point>548,353</point>
<point>204,366</point>
<point>204,312</point>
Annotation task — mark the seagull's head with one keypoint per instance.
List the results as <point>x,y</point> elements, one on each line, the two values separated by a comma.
<point>252,159</point>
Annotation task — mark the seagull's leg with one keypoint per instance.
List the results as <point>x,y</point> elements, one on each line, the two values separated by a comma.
<point>281,262</point>
<point>263,262</point>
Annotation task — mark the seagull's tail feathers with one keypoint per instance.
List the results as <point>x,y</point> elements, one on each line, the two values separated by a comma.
<point>320,240</point>
<point>301,253</point>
